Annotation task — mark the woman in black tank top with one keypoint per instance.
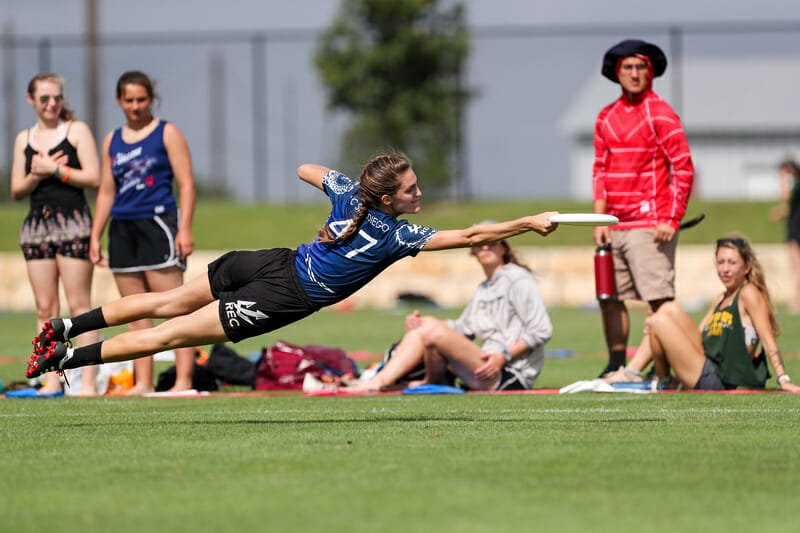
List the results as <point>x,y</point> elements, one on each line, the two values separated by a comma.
<point>54,161</point>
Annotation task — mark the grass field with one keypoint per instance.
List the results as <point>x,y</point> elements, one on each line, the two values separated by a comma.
<point>591,462</point>
<point>686,462</point>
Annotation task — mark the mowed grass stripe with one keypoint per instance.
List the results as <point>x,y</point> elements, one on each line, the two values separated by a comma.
<point>393,463</point>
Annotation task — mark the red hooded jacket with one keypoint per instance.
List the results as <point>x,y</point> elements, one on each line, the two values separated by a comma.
<point>642,167</point>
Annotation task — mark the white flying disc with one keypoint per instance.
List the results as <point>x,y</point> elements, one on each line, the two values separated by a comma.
<point>584,219</point>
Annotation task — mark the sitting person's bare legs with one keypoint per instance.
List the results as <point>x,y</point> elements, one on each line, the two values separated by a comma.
<point>676,344</point>
<point>447,348</point>
<point>671,319</point>
<point>407,354</point>
<point>441,348</point>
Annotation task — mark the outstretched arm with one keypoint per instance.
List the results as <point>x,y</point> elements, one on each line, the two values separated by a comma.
<point>487,233</point>
<point>312,174</point>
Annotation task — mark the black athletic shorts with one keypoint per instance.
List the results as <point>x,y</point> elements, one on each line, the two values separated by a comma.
<point>145,244</point>
<point>510,380</point>
<point>258,292</point>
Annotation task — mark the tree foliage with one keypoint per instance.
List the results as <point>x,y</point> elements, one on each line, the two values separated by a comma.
<point>396,66</point>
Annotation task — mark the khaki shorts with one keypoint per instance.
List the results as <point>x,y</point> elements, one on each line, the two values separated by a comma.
<point>643,269</point>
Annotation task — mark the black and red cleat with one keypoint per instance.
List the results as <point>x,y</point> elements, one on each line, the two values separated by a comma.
<point>52,332</point>
<point>51,359</point>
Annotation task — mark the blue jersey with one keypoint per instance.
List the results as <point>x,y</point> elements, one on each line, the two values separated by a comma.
<point>330,273</point>
<point>143,176</point>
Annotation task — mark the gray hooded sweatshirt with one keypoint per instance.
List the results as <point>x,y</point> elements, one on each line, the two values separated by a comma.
<point>504,309</point>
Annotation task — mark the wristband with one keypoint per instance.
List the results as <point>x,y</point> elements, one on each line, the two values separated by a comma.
<point>783,377</point>
<point>66,175</point>
<point>507,355</point>
<point>55,174</point>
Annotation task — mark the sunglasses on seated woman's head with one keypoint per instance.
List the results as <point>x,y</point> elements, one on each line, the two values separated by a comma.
<point>739,244</point>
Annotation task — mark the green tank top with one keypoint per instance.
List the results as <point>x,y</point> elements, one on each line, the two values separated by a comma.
<point>723,342</point>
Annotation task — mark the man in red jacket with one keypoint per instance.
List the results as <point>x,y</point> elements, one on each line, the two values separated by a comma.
<point>642,175</point>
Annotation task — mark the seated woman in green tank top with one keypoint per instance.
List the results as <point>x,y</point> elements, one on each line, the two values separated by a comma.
<point>723,352</point>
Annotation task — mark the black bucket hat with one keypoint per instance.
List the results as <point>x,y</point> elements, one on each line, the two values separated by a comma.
<point>633,47</point>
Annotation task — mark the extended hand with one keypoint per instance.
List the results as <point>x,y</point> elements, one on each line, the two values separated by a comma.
<point>542,224</point>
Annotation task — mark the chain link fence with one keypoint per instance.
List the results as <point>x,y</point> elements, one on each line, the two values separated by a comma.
<point>252,108</point>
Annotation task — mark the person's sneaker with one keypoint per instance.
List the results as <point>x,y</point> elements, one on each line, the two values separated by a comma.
<point>52,359</point>
<point>52,332</point>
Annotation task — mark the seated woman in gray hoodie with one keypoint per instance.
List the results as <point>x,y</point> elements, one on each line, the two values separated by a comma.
<point>506,314</point>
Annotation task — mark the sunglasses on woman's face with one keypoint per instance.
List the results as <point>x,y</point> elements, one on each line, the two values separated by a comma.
<point>43,99</point>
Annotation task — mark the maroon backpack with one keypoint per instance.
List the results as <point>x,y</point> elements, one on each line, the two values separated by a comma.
<point>285,365</point>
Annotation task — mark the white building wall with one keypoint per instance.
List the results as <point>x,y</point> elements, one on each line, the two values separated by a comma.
<point>581,161</point>
<point>742,169</point>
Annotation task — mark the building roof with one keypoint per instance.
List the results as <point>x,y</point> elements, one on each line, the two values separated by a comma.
<point>741,96</point>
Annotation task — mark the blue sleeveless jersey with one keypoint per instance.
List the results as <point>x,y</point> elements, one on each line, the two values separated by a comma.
<point>330,273</point>
<point>143,176</point>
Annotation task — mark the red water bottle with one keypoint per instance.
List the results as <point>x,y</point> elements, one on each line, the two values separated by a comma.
<point>604,272</point>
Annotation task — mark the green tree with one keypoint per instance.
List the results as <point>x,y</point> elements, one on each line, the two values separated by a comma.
<point>396,66</point>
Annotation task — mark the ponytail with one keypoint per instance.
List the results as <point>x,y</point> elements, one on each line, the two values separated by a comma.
<point>379,177</point>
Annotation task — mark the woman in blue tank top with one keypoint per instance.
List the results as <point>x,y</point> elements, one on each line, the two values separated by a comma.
<point>54,161</point>
<point>149,238</point>
<point>250,293</point>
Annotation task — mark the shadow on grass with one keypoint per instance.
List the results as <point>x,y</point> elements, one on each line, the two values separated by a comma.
<point>370,420</point>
